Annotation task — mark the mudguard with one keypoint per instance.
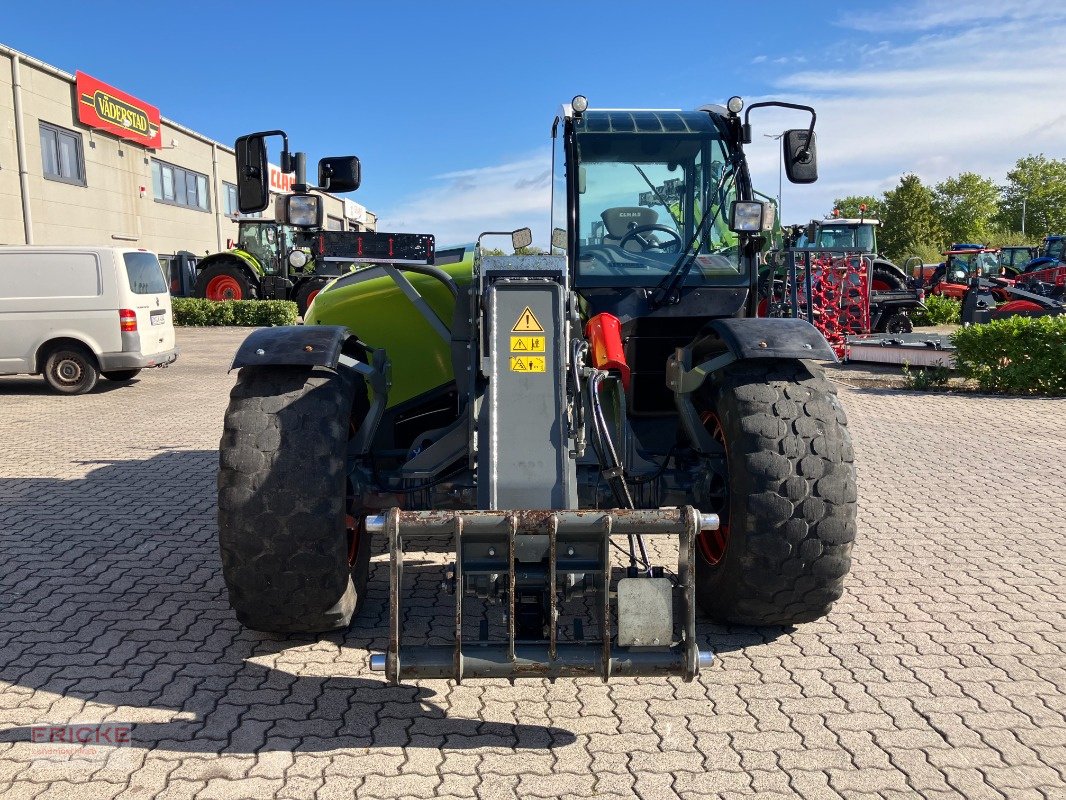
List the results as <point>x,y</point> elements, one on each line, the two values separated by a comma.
<point>293,345</point>
<point>724,341</point>
<point>761,337</point>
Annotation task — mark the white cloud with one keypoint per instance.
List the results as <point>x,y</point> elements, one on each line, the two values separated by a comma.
<point>463,203</point>
<point>936,105</point>
<point>926,15</point>
<point>939,90</point>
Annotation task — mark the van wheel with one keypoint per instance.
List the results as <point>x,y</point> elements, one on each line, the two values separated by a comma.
<point>121,375</point>
<point>71,370</point>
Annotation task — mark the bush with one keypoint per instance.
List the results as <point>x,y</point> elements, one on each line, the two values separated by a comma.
<point>1021,355</point>
<point>925,379</point>
<point>195,311</point>
<point>938,311</point>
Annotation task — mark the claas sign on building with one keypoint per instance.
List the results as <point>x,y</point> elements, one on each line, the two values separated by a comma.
<point>105,107</point>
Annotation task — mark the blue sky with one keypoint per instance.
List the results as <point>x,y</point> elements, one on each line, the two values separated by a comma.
<point>449,105</point>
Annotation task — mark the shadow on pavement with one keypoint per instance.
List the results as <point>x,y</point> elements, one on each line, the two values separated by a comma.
<point>111,593</point>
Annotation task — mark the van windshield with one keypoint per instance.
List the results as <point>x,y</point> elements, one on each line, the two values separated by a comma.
<point>144,273</point>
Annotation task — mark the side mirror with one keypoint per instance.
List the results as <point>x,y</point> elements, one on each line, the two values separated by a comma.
<point>523,237</point>
<point>559,238</point>
<point>339,174</point>
<point>253,194</point>
<point>801,157</point>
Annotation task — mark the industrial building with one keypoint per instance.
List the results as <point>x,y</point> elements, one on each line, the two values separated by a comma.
<point>84,163</point>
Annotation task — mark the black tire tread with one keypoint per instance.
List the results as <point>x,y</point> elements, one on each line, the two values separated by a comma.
<point>281,501</point>
<point>793,496</point>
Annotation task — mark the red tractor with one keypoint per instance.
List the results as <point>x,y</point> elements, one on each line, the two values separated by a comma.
<point>952,277</point>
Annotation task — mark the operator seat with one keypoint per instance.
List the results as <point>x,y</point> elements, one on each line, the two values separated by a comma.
<point>619,221</point>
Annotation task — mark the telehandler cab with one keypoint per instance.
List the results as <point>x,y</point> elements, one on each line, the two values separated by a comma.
<point>535,411</point>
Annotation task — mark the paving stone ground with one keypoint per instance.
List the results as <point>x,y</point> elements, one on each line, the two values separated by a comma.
<point>940,674</point>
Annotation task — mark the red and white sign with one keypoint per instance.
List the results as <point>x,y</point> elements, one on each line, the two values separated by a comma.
<point>280,182</point>
<point>109,109</point>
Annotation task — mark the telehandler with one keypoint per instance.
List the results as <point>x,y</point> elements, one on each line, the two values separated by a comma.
<point>540,415</point>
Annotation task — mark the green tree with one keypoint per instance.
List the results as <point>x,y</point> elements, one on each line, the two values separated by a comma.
<point>849,206</point>
<point>909,224</point>
<point>1041,183</point>
<point>966,207</point>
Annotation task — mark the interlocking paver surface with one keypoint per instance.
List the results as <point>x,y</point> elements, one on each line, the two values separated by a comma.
<point>940,674</point>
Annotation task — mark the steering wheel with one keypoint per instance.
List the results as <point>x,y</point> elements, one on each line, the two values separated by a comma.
<point>634,233</point>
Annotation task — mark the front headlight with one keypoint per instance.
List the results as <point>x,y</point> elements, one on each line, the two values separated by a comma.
<point>297,258</point>
<point>747,216</point>
<point>303,210</point>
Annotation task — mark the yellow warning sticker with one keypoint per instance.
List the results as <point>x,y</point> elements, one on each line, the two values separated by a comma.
<point>527,364</point>
<point>527,344</point>
<point>527,322</point>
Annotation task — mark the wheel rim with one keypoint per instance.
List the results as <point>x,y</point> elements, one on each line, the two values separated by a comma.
<point>67,371</point>
<point>223,287</point>
<point>880,285</point>
<point>714,544</point>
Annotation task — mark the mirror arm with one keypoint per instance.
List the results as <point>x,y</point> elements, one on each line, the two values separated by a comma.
<point>779,104</point>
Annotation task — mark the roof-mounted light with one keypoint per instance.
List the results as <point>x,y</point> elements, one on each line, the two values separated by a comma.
<point>735,104</point>
<point>580,104</point>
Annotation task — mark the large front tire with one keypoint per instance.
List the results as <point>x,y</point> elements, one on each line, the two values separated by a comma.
<point>788,519</point>
<point>293,558</point>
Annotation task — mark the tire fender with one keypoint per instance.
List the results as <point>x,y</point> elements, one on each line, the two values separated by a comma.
<point>249,268</point>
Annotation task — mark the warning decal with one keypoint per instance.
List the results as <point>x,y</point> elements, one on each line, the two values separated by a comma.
<point>528,323</point>
<point>527,344</point>
<point>527,364</point>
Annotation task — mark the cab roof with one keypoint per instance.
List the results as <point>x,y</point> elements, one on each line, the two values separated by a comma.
<point>644,121</point>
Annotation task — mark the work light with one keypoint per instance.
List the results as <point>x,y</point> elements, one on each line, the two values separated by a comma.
<point>747,216</point>
<point>735,104</point>
<point>580,104</point>
<point>304,210</point>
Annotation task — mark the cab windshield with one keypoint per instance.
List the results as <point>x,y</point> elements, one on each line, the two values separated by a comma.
<point>842,237</point>
<point>643,197</point>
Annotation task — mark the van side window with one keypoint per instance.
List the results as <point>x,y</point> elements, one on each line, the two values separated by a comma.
<point>62,156</point>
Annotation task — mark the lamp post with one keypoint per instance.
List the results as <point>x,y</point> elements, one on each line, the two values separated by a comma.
<point>780,165</point>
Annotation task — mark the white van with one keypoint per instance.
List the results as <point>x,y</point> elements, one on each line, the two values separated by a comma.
<point>75,313</point>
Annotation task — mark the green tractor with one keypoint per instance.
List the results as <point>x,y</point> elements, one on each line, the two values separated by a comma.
<point>541,417</point>
<point>269,261</point>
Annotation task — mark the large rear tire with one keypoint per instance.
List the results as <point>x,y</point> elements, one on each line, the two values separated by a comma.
<point>887,277</point>
<point>292,557</point>
<point>225,281</point>
<point>788,518</point>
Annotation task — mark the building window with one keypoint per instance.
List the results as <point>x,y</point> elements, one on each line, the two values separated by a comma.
<point>229,199</point>
<point>334,224</point>
<point>229,203</point>
<point>62,155</point>
<point>179,187</point>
